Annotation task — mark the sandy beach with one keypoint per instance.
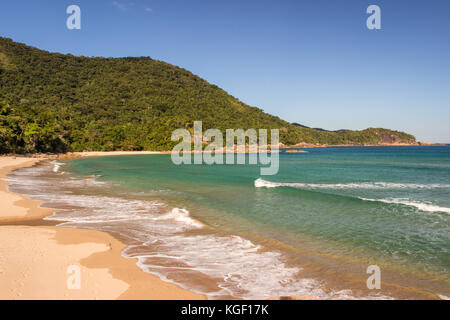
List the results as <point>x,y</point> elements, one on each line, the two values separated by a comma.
<point>43,262</point>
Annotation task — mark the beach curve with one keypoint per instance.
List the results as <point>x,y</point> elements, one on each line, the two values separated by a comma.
<point>34,259</point>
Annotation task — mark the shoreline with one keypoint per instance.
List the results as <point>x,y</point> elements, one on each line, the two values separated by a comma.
<point>88,154</point>
<point>35,258</point>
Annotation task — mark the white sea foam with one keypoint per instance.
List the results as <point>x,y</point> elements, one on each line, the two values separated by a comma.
<point>260,183</point>
<point>56,166</point>
<point>423,206</point>
<point>239,266</point>
<point>181,215</point>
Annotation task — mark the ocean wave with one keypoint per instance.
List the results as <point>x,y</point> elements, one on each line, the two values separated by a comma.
<point>241,268</point>
<point>181,215</point>
<point>423,206</point>
<point>260,183</point>
<point>98,210</point>
<point>56,166</point>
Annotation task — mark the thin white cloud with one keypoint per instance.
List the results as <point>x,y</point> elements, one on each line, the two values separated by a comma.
<point>124,6</point>
<point>119,5</point>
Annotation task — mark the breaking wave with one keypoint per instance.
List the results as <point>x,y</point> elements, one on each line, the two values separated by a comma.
<point>260,183</point>
<point>56,166</point>
<point>423,206</point>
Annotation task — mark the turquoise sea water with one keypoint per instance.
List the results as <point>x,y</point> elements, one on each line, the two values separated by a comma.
<point>312,229</point>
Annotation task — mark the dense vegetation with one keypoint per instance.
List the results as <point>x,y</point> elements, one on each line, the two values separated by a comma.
<point>50,102</point>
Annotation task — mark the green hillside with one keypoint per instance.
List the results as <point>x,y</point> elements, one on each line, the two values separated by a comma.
<point>50,102</point>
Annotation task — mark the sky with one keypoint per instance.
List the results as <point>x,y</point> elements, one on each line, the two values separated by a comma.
<point>314,62</point>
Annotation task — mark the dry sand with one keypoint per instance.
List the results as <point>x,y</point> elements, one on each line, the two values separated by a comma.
<point>35,261</point>
<point>114,153</point>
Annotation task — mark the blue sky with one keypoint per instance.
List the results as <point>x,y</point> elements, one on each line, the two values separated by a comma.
<point>311,61</point>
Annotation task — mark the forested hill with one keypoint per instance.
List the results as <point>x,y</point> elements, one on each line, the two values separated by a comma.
<point>50,102</point>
